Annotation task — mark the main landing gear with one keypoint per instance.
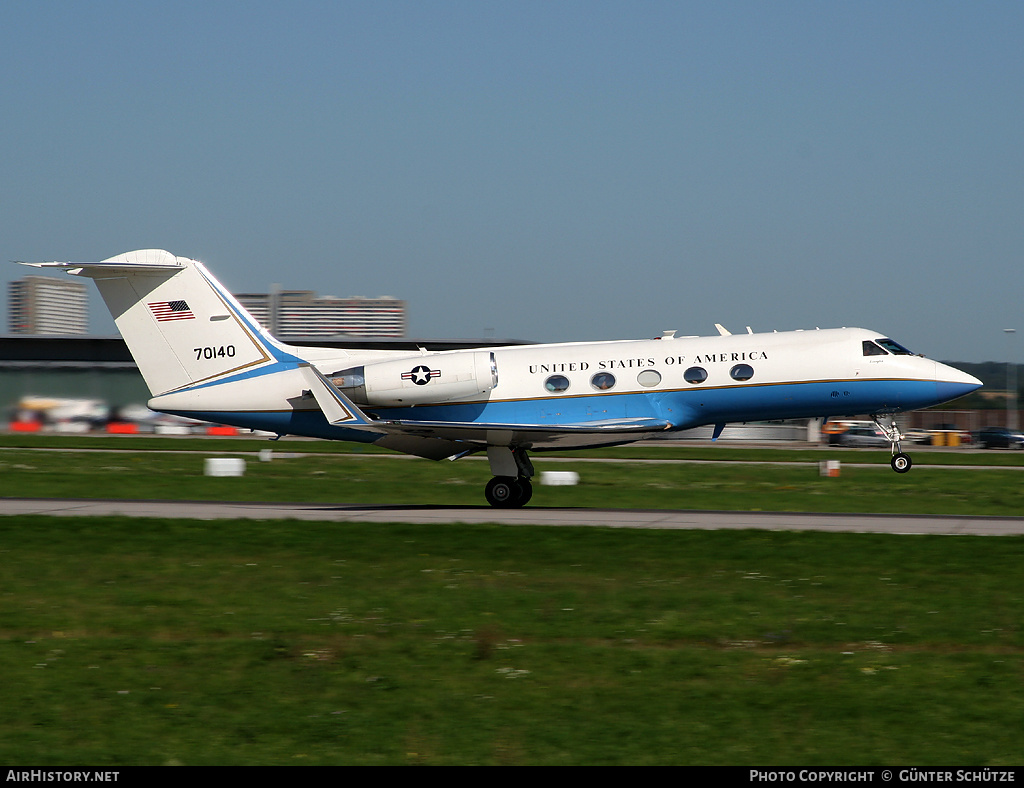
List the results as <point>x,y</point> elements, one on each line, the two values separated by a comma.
<point>510,488</point>
<point>900,462</point>
<point>508,492</point>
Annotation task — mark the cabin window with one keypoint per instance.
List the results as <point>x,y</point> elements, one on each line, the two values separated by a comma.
<point>695,375</point>
<point>894,347</point>
<point>556,383</point>
<point>603,381</point>
<point>871,349</point>
<point>648,378</point>
<point>742,372</point>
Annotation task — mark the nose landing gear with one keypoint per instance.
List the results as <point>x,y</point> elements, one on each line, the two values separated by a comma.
<point>900,462</point>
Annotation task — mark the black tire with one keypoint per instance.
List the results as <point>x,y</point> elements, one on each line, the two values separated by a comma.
<point>525,491</point>
<point>901,463</point>
<point>503,492</point>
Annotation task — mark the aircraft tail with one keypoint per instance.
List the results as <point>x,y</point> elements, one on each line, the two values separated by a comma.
<point>180,324</point>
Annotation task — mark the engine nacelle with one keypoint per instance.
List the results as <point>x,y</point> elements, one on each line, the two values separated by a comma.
<point>419,380</point>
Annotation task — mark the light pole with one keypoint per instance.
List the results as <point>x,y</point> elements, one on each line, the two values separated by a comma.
<point>1011,384</point>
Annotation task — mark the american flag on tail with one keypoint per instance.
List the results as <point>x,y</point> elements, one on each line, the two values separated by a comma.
<point>170,310</point>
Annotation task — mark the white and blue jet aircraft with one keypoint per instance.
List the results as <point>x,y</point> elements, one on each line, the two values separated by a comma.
<point>203,355</point>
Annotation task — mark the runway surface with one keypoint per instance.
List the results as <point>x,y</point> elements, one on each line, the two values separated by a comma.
<point>610,518</point>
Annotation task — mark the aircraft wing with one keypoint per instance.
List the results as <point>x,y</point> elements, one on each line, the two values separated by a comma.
<point>479,431</point>
<point>441,439</point>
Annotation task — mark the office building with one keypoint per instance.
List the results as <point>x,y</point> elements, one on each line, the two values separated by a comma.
<point>43,305</point>
<point>301,313</point>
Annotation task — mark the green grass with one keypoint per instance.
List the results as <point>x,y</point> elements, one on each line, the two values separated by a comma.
<point>393,479</point>
<point>132,641</point>
<point>164,641</point>
<point>653,449</point>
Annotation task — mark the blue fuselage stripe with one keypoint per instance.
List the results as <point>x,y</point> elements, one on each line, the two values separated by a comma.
<point>683,408</point>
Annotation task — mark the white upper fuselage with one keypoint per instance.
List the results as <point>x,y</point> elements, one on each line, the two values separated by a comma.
<point>649,377</point>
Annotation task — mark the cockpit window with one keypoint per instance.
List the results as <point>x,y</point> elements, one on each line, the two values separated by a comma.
<point>894,347</point>
<point>871,349</point>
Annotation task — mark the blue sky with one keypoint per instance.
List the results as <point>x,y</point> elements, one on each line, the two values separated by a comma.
<point>551,171</point>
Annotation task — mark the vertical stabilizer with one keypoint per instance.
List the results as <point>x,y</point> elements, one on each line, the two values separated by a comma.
<point>180,324</point>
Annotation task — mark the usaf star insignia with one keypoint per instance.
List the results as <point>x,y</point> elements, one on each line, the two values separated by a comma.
<point>421,375</point>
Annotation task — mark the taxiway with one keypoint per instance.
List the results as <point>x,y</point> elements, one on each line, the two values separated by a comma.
<point>609,518</point>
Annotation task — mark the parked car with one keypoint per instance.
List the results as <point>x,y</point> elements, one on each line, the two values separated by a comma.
<point>919,435</point>
<point>940,435</point>
<point>965,435</point>
<point>863,435</point>
<point>1001,438</point>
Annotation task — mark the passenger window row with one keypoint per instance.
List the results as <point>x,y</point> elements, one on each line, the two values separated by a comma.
<point>648,378</point>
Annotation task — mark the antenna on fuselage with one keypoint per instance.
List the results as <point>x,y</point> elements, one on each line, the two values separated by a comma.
<point>723,330</point>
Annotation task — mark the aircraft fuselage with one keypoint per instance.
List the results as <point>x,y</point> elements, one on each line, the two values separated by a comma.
<point>685,381</point>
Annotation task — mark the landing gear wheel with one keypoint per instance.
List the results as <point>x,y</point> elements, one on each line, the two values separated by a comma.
<point>506,492</point>
<point>526,491</point>
<point>901,463</point>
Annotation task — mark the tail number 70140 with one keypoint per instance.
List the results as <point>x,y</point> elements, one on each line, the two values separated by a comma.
<point>224,351</point>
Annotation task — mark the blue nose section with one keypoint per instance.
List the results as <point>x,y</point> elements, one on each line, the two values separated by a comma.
<point>951,383</point>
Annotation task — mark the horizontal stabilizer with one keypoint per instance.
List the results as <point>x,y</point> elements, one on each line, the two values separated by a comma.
<point>141,261</point>
<point>93,269</point>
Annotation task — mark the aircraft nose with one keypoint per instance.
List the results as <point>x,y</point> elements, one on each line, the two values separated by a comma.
<point>953,383</point>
